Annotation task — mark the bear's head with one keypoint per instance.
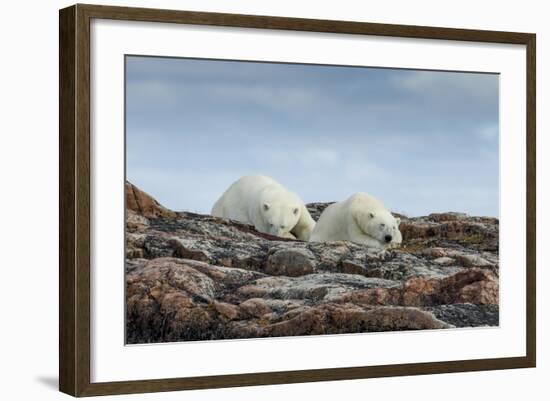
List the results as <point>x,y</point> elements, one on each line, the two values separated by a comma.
<point>384,227</point>
<point>280,217</point>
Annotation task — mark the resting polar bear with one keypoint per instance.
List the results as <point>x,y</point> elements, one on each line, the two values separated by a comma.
<point>267,205</point>
<point>362,219</point>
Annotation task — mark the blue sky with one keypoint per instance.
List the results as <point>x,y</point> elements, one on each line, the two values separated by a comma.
<point>420,141</point>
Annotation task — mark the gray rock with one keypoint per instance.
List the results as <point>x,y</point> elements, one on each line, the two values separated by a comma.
<point>291,262</point>
<point>444,261</point>
<point>467,315</point>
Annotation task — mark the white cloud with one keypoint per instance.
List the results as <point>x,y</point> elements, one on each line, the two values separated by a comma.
<point>273,97</point>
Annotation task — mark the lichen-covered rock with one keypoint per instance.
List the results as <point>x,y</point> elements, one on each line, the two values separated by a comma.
<point>466,315</point>
<point>198,277</point>
<point>467,286</point>
<point>255,307</point>
<point>291,262</point>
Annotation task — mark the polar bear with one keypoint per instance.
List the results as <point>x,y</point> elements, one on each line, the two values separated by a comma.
<point>362,219</point>
<point>267,205</point>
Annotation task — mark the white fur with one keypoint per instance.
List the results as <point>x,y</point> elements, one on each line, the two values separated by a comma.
<point>362,219</point>
<point>267,205</point>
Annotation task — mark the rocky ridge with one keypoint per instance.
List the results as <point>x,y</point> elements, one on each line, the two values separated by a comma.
<point>198,277</point>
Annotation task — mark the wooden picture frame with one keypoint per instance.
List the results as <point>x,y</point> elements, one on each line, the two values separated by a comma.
<point>74,200</point>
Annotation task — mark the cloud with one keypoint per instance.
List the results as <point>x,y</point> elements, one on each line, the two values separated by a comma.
<point>258,95</point>
<point>317,158</point>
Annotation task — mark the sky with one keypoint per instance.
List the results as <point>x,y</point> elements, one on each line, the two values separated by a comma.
<point>420,141</point>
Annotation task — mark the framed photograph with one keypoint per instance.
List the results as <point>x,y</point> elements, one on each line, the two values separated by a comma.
<point>249,200</point>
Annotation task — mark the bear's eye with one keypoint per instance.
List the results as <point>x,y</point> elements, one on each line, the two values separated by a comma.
<point>283,227</point>
<point>382,225</point>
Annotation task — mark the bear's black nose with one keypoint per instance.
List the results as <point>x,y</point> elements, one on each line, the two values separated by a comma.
<point>388,238</point>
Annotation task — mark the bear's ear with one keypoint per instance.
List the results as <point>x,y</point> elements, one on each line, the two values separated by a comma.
<point>397,221</point>
<point>371,215</point>
<point>266,206</point>
<point>295,211</point>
